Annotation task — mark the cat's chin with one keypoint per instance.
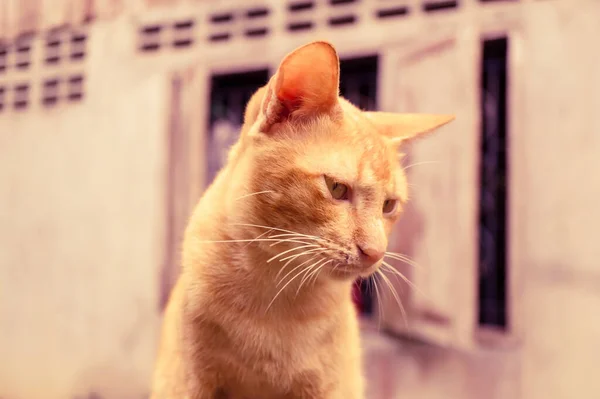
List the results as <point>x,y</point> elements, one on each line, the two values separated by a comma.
<point>351,273</point>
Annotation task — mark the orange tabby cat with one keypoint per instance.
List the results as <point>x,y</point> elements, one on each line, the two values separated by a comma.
<point>262,309</point>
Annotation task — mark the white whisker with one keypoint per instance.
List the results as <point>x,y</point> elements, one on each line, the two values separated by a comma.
<point>256,238</point>
<point>311,274</point>
<point>296,268</point>
<point>303,253</point>
<point>296,256</point>
<point>249,240</point>
<point>252,194</point>
<point>386,266</point>
<point>403,258</point>
<point>418,163</point>
<point>312,268</point>
<point>290,250</point>
<point>293,235</point>
<point>395,294</point>
<point>378,295</point>
<point>273,228</point>
<point>286,284</point>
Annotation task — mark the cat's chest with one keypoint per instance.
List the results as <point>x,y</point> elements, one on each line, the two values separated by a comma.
<point>274,343</point>
<point>270,360</point>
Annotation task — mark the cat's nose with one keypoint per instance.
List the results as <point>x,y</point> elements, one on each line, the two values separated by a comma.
<point>369,255</point>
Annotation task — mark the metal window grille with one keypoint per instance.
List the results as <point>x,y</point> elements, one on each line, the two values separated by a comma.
<point>493,204</point>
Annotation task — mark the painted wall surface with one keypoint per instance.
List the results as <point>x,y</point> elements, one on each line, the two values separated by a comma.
<point>82,236</point>
<point>558,203</point>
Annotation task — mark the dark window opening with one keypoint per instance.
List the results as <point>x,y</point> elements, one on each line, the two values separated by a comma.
<point>150,47</point>
<point>298,26</point>
<point>179,43</point>
<point>23,52</point>
<point>183,31</point>
<point>221,18</point>
<point>53,45</point>
<point>220,37</point>
<point>339,2</point>
<point>358,81</point>
<point>78,43</point>
<point>3,58</point>
<point>432,6</point>
<point>258,32</point>
<point>257,13</point>
<point>151,29</point>
<point>50,92</point>
<point>358,84</point>
<point>229,95</point>
<point>392,12</point>
<point>342,20</point>
<point>493,203</point>
<point>75,88</point>
<point>150,38</point>
<point>2,91</point>
<point>184,25</point>
<point>21,96</point>
<point>301,6</point>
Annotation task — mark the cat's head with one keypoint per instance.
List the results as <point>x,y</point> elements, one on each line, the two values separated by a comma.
<point>318,166</point>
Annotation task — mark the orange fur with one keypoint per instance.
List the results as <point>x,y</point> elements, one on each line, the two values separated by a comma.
<point>224,335</point>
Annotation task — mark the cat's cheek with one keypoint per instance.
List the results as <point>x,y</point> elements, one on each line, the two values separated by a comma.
<point>389,223</point>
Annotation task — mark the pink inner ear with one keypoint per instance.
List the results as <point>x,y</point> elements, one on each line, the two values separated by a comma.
<point>290,88</point>
<point>308,79</point>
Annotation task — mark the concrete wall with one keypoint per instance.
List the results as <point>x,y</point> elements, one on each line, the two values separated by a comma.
<point>82,233</point>
<point>554,132</point>
<point>559,186</point>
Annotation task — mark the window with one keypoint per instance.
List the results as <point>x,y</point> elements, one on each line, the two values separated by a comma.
<point>2,94</point>
<point>75,88</point>
<point>53,48</point>
<point>358,81</point>
<point>150,38</point>
<point>3,58</point>
<point>300,15</point>
<point>21,96</point>
<point>183,33</point>
<point>493,229</point>
<point>228,97</point>
<point>23,52</point>
<point>50,91</point>
<point>221,25</point>
<point>439,5</point>
<point>78,42</point>
<point>392,12</point>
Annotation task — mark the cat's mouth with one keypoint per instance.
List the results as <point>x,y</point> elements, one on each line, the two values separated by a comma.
<point>351,271</point>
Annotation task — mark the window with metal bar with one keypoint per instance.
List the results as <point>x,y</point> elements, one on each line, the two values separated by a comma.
<point>494,175</point>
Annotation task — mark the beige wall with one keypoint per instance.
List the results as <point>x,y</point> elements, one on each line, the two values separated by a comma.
<point>558,247</point>
<point>555,186</point>
<point>82,233</point>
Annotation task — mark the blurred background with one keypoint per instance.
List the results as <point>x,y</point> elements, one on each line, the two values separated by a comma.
<point>115,115</point>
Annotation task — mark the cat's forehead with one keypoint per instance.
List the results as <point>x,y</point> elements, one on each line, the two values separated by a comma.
<point>353,151</point>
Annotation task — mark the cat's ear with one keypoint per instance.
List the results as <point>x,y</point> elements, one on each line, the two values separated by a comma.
<point>306,83</point>
<point>400,128</point>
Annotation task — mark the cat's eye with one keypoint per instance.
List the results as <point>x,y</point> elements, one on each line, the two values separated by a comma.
<point>339,191</point>
<point>389,206</point>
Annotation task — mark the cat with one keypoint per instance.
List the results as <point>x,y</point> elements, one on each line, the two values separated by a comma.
<point>304,206</point>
